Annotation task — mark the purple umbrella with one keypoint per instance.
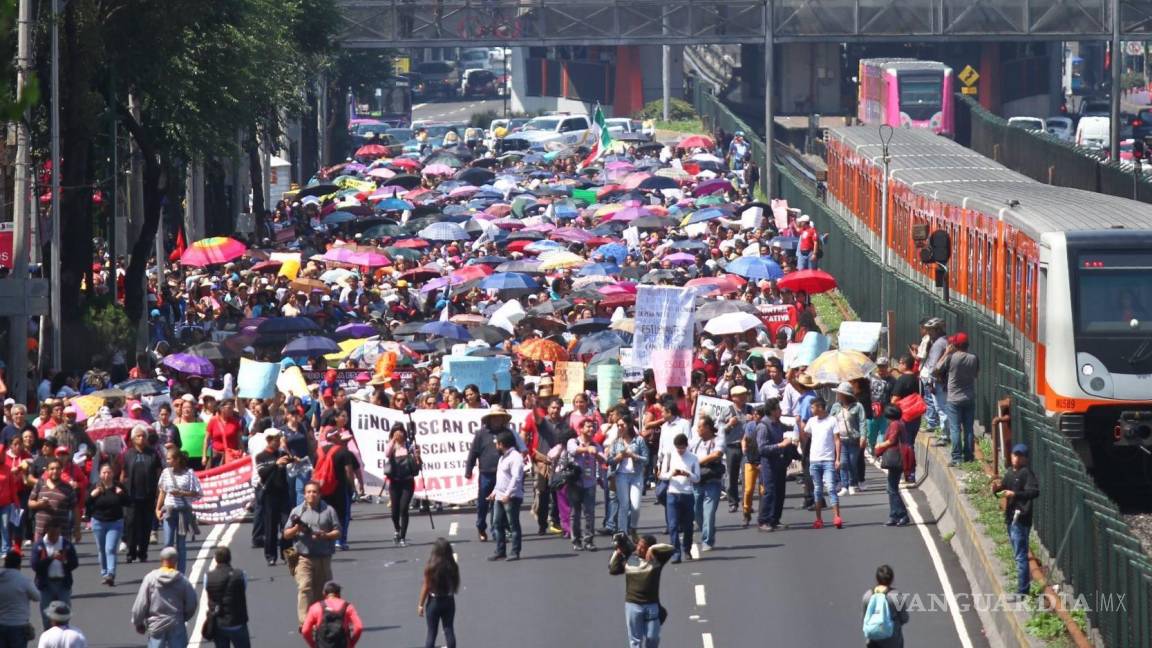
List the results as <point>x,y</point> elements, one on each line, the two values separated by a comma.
<point>711,187</point>
<point>629,214</point>
<point>355,330</point>
<point>680,258</point>
<point>572,234</point>
<point>189,364</point>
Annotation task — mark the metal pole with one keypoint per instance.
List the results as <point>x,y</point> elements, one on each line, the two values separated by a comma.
<point>886,133</point>
<point>57,354</point>
<point>1114,135</point>
<point>18,325</point>
<point>769,173</point>
<point>506,87</point>
<point>665,69</point>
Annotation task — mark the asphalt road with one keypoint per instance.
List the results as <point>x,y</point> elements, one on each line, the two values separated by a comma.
<point>796,587</point>
<point>456,111</point>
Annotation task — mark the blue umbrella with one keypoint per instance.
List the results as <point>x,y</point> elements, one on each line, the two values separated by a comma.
<point>286,326</point>
<point>444,232</point>
<point>752,267</point>
<point>339,217</point>
<point>599,342</point>
<point>706,215</point>
<point>593,269</point>
<point>446,330</point>
<point>487,260</point>
<point>510,281</point>
<point>393,204</point>
<point>618,252</point>
<point>543,246</point>
<point>310,346</point>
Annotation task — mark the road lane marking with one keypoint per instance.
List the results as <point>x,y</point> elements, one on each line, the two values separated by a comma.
<point>453,528</point>
<point>938,564</point>
<point>419,106</point>
<point>706,639</point>
<point>701,597</point>
<point>221,535</point>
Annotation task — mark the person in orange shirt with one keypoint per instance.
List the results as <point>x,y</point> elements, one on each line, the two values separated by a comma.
<point>329,613</point>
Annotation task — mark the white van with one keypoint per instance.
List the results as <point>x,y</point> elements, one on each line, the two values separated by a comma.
<point>1092,132</point>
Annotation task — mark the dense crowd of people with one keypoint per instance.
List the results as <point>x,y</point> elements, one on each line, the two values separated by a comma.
<point>405,260</point>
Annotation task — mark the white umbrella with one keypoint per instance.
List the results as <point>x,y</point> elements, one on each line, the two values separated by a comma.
<point>732,324</point>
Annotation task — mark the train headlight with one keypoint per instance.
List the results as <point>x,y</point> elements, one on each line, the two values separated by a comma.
<point>905,120</point>
<point>1087,370</point>
<point>1094,377</point>
<point>1096,384</point>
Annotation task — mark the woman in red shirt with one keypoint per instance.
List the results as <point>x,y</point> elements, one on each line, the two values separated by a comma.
<point>13,471</point>
<point>223,433</point>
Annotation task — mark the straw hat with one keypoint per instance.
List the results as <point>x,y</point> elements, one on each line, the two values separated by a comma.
<point>806,380</point>
<point>496,411</point>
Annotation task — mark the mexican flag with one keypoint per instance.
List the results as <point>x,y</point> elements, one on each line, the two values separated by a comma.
<point>601,138</point>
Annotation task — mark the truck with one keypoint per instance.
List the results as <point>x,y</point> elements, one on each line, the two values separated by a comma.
<point>570,130</point>
<point>438,79</point>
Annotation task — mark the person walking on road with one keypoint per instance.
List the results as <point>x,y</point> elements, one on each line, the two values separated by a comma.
<point>681,470</point>
<point>315,528</point>
<point>332,622</point>
<point>776,452</point>
<point>484,457</point>
<point>885,612</point>
<point>709,449</point>
<point>165,603</point>
<point>958,370</point>
<point>508,496</point>
<point>16,591</point>
<point>824,447</point>
<point>629,459</point>
<point>228,602</point>
<point>53,561</point>
<point>53,499</point>
<point>140,474</point>
<point>403,465</point>
<point>179,487</point>
<point>345,469</point>
<point>275,493</point>
<point>893,464</point>
<point>642,589</point>
<point>852,428</point>
<point>588,455</point>
<point>438,594</point>
<point>1020,486</point>
<point>59,634</point>
<point>105,505</point>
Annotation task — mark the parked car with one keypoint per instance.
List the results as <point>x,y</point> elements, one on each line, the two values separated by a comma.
<point>1092,132</point>
<point>1060,127</point>
<point>1141,123</point>
<point>623,126</point>
<point>567,129</point>
<point>1096,107</point>
<point>1027,123</point>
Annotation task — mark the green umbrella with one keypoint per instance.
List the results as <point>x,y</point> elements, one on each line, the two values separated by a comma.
<point>380,231</point>
<point>714,199</point>
<point>406,253</point>
<point>520,203</point>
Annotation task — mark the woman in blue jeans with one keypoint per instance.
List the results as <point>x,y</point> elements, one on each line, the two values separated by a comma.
<point>628,458</point>
<point>105,505</point>
<point>897,512</point>
<point>710,451</point>
<point>178,489</point>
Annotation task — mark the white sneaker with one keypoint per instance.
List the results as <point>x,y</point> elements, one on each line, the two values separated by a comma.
<point>851,490</point>
<point>123,548</point>
<point>842,492</point>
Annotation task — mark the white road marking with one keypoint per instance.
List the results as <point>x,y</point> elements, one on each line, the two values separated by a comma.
<point>701,597</point>
<point>693,617</point>
<point>954,610</point>
<point>453,528</point>
<point>706,639</point>
<point>221,535</point>
<point>419,106</point>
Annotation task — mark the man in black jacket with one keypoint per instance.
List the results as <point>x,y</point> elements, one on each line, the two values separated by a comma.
<point>140,475</point>
<point>1020,486</point>
<point>484,455</point>
<point>228,601</point>
<point>275,502</point>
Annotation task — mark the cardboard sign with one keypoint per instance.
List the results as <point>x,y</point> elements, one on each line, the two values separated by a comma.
<point>858,336</point>
<point>632,373</point>
<point>568,381</point>
<point>752,218</point>
<point>717,408</point>
<point>488,374</point>
<point>291,382</point>
<point>780,214</point>
<point>227,491</point>
<point>609,385</point>
<point>257,379</point>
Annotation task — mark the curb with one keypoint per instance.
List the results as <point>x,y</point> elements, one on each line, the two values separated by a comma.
<point>946,499</point>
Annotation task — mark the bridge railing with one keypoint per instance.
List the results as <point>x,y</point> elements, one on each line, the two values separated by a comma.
<point>1091,543</point>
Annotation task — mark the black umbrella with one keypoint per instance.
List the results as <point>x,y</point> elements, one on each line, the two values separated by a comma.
<point>633,273</point>
<point>658,275</point>
<point>650,223</point>
<point>599,343</point>
<point>407,181</point>
<point>286,326</point>
<point>486,163</point>
<point>317,190</point>
<point>689,245</point>
<point>491,334</point>
<point>310,346</point>
<point>543,322</point>
<point>656,183</point>
<point>551,306</point>
<point>143,387</point>
<point>210,351</point>
<point>476,176</point>
<point>710,308</point>
<point>526,235</point>
<point>408,328</point>
<point>586,326</point>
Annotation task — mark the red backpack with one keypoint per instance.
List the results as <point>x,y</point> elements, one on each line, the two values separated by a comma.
<point>325,472</point>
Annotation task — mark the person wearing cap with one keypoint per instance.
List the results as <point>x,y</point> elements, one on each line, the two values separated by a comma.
<point>1020,487</point>
<point>57,631</point>
<point>851,426</point>
<point>732,431</point>
<point>275,499</point>
<point>165,603</point>
<point>930,353</point>
<point>485,457</point>
<point>53,561</point>
<point>958,369</point>
<point>803,385</point>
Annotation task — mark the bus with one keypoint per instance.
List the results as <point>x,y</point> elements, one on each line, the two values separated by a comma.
<point>1073,74</point>
<point>907,93</point>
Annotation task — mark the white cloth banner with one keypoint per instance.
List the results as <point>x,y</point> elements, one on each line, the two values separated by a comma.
<point>665,326</point>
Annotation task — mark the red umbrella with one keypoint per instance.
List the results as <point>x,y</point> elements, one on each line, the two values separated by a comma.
<point>422,272</point>
<point>267,266</point>
<point>371,150</point>
<point>694,141</point>
<point>413,243</point>
<point>405,163</point>
<point>620,299</point>
<point>717,285</point>
<point>809,281</point>
<point>518,246</point>
<point>468,273</point>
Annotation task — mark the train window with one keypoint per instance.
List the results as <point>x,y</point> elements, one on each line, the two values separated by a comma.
<point>1030,303</point>
<point>989,273</point>
<point>1018,290</point>
<point>1006,280</point>
<point>978,268</point>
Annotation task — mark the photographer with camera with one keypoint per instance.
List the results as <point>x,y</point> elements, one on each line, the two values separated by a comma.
<point>315,527</point>
<point>275,496</point>
<point>641,586</point>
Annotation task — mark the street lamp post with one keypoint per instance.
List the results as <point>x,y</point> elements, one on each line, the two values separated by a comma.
<point>57,355</point>
<point>886,133</point>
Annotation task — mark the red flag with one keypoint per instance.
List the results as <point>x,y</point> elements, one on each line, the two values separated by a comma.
<point>180,246</point>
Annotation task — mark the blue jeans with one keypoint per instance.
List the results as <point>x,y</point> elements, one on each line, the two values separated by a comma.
<point>582,504</point>
<point>485,483</point>
<point>1018,535</point>
<point>5,529</point>
<point>173,538</point>
<point>611,510</point>
<point>849,455</point>
<point>297,483</point>
<point>643,624</point>
<point>233,637</point>
<point>897,512</point>
<point>13,636</point>
<point>961,418</point>
<point>678,515</point>
<point>707,501</point>
<point>804,261</point>
<point>107,542</point>
<point>628,501</point>
<point>507,523</point>
<point>53,590</point>
<point>936,398</point>
<point>823,475</point>
<point>175,637</point>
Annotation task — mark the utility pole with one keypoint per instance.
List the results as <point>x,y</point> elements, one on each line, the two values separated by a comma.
<point>18,325</point>
<point>886,133</point>
<point>1117,64</point>
<point>57,352</point>
<point>666,67</point>
<point>769,173</point>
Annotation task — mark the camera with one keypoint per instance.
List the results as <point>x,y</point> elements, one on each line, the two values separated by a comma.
<point>624,544</point>
<point>297,522</point>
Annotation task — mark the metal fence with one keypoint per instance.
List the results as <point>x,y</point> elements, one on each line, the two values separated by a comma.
<point>1082,529</point>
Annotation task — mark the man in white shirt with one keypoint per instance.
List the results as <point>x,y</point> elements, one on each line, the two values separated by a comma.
<point>673,425</point>
<point>508,496</point>
<point>774,387</point>
<point>681,469</point>
<point>61,635</point>
<point>823,459</point>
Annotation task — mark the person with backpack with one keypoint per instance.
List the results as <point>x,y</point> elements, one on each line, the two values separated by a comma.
<point>227,603</point>
<point>338,473</point>
<point>332,622</point>
<point>885,612</point>
<point>315,527</point>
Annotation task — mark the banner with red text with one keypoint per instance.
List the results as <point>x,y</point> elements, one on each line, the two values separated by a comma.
<point>227,492</point>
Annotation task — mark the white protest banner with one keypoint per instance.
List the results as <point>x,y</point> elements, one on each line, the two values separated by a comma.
<point>665,326</point>
<point>632,237</point>
<point>568,380</point>
<point>858,336</point>
<point>227,492</point>
<point>257,379</point>
<point>632,373</point>
<point>780,214</point>
<point>609,385</point>
<point>717,408</point>
<point>752,218</point>
<point>371,425</point>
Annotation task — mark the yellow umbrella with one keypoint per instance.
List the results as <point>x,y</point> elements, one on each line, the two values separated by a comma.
<point>626,325</point>
<point>88,404</point>
<point>346,348</point>
<point>561,260</point>
<point>840,366</point>
<point>610,208</point>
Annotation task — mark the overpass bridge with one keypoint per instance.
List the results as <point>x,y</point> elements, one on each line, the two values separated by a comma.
<point>450,23</point>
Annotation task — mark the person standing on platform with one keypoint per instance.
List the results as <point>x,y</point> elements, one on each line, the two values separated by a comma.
<point>1020,487</point>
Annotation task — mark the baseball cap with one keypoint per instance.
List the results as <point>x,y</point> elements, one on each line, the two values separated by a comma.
<point>803,218</point>
<point>403,283</point>
<point>959,339</point>
<point>1020,449</point>
<point>738,390</point>
<point>136,406</point>
<point>8,402</point>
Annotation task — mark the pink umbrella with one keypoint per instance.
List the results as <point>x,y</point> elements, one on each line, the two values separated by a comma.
<point>211,251</point>
<point>509,224</point>
<point>539,227</point>
<point>617,289</point>
<point>619,165</point>
<point>571,234</point>
<point>390,191</point>
<point>382,173</point>
<point>633,180</point>
<point>466,190</point>
<point>118,426</point>
<point>680,258</point>
<point>711,187</point>
<point>439,170</point>
<point>629,214</point>
<point>370,259</point>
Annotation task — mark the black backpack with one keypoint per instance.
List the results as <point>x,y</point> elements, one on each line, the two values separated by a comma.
<point>333,629</point>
